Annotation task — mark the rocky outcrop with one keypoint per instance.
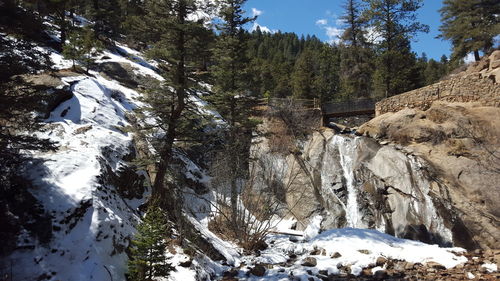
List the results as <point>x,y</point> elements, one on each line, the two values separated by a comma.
<point>357,182</point>
<point>480,83</point>
<point>461,142</point>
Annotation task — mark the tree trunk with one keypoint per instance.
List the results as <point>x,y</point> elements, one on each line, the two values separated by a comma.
<point>167,196</point>
<point>476,55</point>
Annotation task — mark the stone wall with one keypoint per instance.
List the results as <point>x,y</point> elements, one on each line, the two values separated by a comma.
<point>475,85</point>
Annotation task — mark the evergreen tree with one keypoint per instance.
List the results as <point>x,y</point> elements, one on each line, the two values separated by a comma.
<point>149,246</point>
<point>303,76</point>
<point>231,96</point>
<point>470,25</point>
<point>82,46</point>
<point>395,21</point>
<point>58,8</point>
<point>107,16</point>
<point>326,82</point>
<point>356,66</point>
<point>174,40</point>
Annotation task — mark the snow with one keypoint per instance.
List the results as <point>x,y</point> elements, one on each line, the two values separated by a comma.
<point>230,252</point>
<point>313,228</point>
<point>490,267</point>
<point>95,222</point>
<point>348,242</point>
<point>470,275</point>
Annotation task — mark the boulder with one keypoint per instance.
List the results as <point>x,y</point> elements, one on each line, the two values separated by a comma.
<point>380,275</point>
<point>494,60</point>
<point>310,262</point>
<point>381,261</point>
<point>336,255</point>
<point>258,270</point>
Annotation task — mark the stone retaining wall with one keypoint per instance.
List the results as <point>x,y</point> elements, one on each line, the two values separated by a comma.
<point>481,86</point>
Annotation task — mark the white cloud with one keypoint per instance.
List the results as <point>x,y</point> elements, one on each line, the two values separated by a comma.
<point>373,36</point>
<point>256,12</point>
<point>333,34</point>
<point>263,28</point>
<point>321,22</point>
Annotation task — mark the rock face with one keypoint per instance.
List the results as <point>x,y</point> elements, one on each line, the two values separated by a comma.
<point>356,182</point>
<point>461,142</point>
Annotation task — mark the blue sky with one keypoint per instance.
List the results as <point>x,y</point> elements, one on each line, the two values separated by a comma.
<point>319,17</point>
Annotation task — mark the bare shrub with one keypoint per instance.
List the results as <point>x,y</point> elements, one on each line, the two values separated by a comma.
<point>261,202</point>
<point>290,120</point>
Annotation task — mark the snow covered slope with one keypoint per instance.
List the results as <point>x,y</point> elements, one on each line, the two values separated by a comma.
<point>92,221</point>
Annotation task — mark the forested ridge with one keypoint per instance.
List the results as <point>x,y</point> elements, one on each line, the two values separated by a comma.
<point>281,64</point>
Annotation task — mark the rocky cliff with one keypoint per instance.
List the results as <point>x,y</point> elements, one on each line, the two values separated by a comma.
<point>357,182</point>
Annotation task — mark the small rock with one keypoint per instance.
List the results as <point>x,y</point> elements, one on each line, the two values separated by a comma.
<point>316,251</point>
<point>409,266</point>
<point>366,252</point>
<point>399,266</point>
<point>381,261</point>
<point>323,272</point>
<point>186,263</point>
<point>309,261</point>
<point>258,270</point>
<point>231,273</point>
<point>366,272</point>
<point>435,265</point>
<point>336,255</point>
<point>380,275</point>
<point>82,130</point>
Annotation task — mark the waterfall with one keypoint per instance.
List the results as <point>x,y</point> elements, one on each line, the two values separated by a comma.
<point>347,153</point>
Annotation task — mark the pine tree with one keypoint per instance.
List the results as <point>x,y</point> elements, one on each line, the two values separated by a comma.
<point>59,8</point>
<point>356,68</point>
<point>327,83</point>
<point>175,42</point>
<point>107,15</point>
<point>303,76</point>
<point>231,96</point>
<point>82,46</point>
<point>149,246</point>
<point>395,22</point>
<point>470,25</point>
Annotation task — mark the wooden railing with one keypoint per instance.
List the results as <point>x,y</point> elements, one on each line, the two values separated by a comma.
<point>297,103</point>
<point>331,109</point>
<point>349,108</point>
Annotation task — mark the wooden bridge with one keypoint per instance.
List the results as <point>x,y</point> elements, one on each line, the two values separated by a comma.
<point>328,110</point>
